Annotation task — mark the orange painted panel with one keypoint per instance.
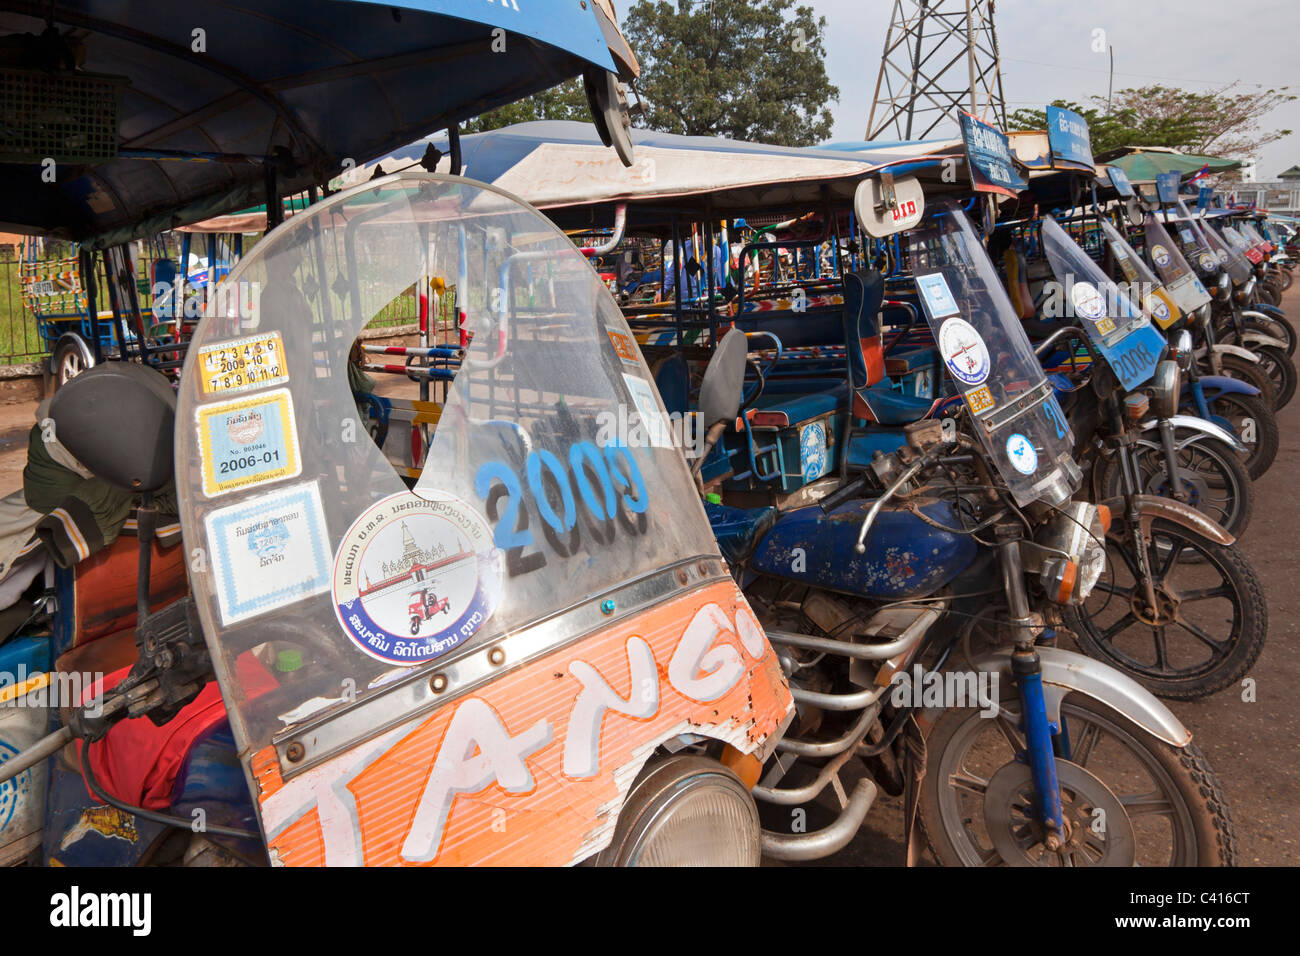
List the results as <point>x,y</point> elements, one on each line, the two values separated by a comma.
<point>532,769</point>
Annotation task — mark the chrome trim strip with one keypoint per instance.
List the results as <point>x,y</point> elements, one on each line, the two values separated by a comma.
<point>319,739</point>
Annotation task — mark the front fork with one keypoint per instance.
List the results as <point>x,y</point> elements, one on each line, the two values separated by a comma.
<point>1026,668</point>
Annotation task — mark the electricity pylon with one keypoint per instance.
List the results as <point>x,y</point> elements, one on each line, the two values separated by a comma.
<point>940,56</point>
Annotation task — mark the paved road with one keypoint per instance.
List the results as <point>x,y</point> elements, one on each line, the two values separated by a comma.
<point>1252,746</point>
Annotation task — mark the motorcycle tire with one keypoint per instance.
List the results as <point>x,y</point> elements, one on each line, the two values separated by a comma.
<point>1239,586</point>
<point>1254,424</point>
<point>1201,829</point>
<point>1216,481</point>
<point>1281,373</point>
<point>1244,370</point>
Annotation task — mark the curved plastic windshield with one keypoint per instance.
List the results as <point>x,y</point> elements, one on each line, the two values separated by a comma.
<point>1247,248</point>
<point>1143,286</point>
<point>1230,257</point>
<point>1179,277</point>
<point>550,477</point>
<point>1118,327</point>
<point>1196,245</point>
<point>989,358</point>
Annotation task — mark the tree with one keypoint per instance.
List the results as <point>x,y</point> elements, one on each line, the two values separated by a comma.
<point>565,102</point>
<point>1221,122</point>
<point>744,69</point>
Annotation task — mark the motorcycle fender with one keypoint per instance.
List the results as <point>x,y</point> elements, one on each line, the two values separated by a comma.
<point>1260,340</point>
<point>1151,507</point>
<point>1238,351</point>
<point>1264,311</point>
<point>1198,425</point>
<point>1222,383</point>
<point>1065,672</point>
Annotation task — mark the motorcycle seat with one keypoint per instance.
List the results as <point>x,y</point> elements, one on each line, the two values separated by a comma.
<point>738,530</point>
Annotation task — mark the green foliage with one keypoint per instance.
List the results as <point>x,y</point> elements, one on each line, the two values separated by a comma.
<point>565,102</point>
<point>745,69</point>
<point>1221,122</point>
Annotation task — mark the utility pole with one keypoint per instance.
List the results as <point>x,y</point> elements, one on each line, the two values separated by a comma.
<point>940,56</point>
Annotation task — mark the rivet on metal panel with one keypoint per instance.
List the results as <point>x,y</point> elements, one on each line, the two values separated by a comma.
<point>496,657</point>
<point>681,576</point>
<point>438,683</point>
<point>704,569</point>
<point>607,606</point>
<point>295,752</point>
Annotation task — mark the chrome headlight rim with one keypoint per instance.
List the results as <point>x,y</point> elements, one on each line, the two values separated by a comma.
<point>1165,386</point>
<point>1072,546</point>
<point>666,786</point>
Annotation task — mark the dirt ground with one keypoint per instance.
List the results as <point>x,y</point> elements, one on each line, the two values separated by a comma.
<point>1251,746</point>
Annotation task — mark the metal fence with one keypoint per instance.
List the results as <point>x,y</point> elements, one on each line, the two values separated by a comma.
<point>26,339</point>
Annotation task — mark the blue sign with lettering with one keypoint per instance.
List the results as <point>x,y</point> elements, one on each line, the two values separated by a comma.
<point>1167,187</point>
<point>1119,179</point>
<point>988,156</point>
<point>1067,137</point>
<point>1203,197</point>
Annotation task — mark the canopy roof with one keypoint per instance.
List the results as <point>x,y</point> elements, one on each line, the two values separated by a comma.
<point>1142,164</point>
<point>310,82</point>
<point>562,167</point>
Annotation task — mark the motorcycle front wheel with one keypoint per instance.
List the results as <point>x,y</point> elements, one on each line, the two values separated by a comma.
<point>1206,630</point>
<point>1129,798</point>
<point>1255,426</point>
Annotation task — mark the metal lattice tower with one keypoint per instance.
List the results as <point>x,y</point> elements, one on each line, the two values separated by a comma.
<point>940,56</point>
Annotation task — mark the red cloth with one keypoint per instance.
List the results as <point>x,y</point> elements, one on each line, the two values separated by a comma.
<point>137,762</point>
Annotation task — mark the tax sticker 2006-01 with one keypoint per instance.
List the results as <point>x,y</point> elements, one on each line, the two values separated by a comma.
<point>269,552</point>
<point>247,442</point>
<point>240,365</point>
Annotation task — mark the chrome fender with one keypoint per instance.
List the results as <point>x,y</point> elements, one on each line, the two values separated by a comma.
<point>1259,340</point>
<point>1238,351</point>
<point>1151,507</point>
<point>1065,672</point>
<point>1199,427</point>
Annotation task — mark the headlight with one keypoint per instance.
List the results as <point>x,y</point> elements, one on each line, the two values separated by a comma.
<point>686,811</point>
<point>1182,351</point>
<point>1164,389</point>
<point>1243,294</point>
<point>1070,552</point>
<point>1224,288</point>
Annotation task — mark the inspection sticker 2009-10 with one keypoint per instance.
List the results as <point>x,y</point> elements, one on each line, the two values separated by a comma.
<point>248,441</point>
<point>269,552</point>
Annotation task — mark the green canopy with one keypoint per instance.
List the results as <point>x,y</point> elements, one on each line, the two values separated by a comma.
<point>1144,164</point>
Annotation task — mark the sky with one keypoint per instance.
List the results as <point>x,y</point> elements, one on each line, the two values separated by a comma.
<point>1046,49</point>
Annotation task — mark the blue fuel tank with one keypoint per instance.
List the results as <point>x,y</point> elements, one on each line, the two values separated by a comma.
<point>905,557</point>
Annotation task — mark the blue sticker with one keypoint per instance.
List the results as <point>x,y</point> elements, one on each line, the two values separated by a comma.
<point>938,297</point>
<point>269,552</point>
<point>812,451</point>
<point>1023,457</point>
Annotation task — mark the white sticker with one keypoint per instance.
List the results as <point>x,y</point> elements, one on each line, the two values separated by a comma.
<point>1022,455</point>
<point>269,552</point>
<point>414,578</point>
<point>647,406</point>
<point>1160,256</point>
<point>1088,302</point>
<point>964,352</point>
<point>938,297</point>
<point>1207,261</point>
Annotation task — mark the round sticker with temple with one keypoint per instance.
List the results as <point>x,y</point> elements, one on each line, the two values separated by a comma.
<point>1160,255</point>
<point>1207,261</point>
<point>414,578</point>
<point>1020,450</point>
<point>1158,307</point>
<point>964,352</point>
<point>1088,302</point>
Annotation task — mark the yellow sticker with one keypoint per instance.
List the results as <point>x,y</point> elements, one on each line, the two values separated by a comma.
<point>247,442</point>
<point>1105,326</point>
<point>240,365</point>
<point>980,399</point>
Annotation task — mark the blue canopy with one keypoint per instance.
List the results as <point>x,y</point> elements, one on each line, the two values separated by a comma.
<point>219,93</point>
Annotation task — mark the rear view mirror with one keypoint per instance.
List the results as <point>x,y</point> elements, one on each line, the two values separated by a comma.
<point>885,205</point>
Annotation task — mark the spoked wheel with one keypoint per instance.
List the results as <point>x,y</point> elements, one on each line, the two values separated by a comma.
<point>1212,479</point>
<point>1207,626</point>
<point>1255,426</point>
<point>1128,798</point>
<point>1244,370</point>
<point>1277,365</point>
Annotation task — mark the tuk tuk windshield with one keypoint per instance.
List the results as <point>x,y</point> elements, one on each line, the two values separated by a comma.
<point>1230,257</point>
<point>551,475</point>
<point>1196,244</point>
<point>988,356</point>
<point>1179,277</point>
